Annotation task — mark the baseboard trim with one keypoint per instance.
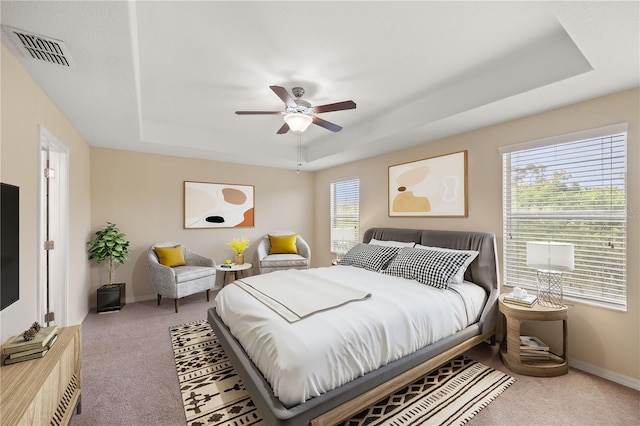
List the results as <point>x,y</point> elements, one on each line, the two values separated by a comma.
<point>142,298</point>
<point>627,381</point>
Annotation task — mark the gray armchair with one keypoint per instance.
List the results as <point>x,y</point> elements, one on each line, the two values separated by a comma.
<point>275,262</point>
<point>199,274</point>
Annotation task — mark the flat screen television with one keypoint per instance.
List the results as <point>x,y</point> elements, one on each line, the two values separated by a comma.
<point>9,244</point>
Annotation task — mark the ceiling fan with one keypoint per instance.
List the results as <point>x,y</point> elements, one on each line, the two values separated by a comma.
<point>299,114</point>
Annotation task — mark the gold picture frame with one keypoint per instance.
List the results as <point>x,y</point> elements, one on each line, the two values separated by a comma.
<point>218,205</point>
<point>431,187</point>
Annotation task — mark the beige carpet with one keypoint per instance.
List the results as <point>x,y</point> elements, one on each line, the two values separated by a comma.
<point>213,394</point>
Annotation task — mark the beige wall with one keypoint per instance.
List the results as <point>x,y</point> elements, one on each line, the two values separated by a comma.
<point>599,339</point>
<point>143,195</point>
<point>25,107</point>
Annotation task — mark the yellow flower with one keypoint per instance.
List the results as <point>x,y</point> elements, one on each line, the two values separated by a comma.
<point>238,245</point>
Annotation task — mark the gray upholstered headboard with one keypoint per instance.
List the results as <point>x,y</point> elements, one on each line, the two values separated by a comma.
<point>482,271</point>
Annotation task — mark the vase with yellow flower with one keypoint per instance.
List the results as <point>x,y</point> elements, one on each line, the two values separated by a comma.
<point>238,246</point>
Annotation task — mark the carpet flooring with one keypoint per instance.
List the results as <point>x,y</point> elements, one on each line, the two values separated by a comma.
<point>213,394</point>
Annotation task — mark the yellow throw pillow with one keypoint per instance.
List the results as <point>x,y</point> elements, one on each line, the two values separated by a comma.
<point>283,244</point>
<point>170,256</point>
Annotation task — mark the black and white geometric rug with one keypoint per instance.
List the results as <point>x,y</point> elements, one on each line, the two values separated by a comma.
<point>213,394</point>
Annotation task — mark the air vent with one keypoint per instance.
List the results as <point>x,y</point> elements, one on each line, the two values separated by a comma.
<point>39,47</point>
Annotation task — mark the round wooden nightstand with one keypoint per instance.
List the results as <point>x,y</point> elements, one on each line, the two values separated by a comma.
<point>233,272</point>
<point>556,365</point>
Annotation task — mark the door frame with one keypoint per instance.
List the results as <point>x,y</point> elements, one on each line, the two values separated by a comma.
<point>55,296</point>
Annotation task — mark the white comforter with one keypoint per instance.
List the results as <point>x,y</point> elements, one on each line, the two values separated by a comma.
<point>327,349</point>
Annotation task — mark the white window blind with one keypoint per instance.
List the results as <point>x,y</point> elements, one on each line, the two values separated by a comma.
<point>571,192</point>
<point>345,215</point>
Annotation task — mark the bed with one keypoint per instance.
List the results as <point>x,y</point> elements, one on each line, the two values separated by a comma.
<point>330,400</point>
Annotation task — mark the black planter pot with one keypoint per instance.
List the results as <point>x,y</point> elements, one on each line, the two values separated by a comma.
<point>111,297</point>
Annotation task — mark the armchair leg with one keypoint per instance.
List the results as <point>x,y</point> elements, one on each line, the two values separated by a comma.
<point>208,294</point>
<point>176,304</point>
<point>159,297</point>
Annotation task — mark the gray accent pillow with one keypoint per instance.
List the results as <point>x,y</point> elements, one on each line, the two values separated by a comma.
<point>368,256</point>
<point>427,266</point>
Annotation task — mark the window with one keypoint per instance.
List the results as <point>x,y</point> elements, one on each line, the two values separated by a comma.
<point>345,215</point>
<point>571,188</point>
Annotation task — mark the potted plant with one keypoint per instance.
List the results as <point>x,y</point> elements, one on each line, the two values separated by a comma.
<point>238,246</point>
<point>112,245</point>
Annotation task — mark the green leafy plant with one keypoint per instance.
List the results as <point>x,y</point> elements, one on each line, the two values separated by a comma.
<point>238,245</point>
<point>109,244</point>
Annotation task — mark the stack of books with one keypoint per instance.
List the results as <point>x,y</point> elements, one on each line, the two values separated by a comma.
<point>527,300</point>
<point>532,348</point>
<point>17,349</point>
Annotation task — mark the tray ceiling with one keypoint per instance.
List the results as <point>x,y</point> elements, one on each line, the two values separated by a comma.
<point>166,77</point>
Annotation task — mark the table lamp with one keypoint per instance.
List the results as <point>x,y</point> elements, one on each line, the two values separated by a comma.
<point>550,259</point>
<point>342,237</point>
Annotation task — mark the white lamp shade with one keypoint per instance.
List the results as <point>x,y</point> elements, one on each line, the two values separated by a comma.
<point>550,256</point>
<point>298,122</point>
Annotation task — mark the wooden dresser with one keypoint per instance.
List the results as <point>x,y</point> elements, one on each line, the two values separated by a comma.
<point>44,391</point>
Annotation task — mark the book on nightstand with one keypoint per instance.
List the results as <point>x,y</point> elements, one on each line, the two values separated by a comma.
<point>533,348</point>
<point>525,356</point>
<point>528,300</point>
<point>532,342</point>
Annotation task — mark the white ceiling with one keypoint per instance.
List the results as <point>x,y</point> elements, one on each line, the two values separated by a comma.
<point>166,77</point>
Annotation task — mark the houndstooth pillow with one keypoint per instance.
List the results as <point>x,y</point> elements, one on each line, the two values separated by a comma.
<point>430,267</point>
<point>368,256</point>
<point>459,276</point>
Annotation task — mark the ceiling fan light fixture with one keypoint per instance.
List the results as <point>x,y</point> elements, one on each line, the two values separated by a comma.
<point>297,121</point>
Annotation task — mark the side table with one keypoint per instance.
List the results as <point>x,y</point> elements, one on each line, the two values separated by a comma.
<point>233,272</point>
<point>514,315</point>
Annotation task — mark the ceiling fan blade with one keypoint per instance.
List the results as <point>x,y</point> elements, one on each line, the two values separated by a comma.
<point>284,95</point>
<point>327,125</point>
<point>258,112</point>
<point>284,129</point>
<point>338,106</point>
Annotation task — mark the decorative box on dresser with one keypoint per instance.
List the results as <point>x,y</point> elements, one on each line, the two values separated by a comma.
<point>514,315</point>
<point>44,391</point>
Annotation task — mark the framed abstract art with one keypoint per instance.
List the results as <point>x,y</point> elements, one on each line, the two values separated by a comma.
<point>435,187</point>
<point>218,205</point>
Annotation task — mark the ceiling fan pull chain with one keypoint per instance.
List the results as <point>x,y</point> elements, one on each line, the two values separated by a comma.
<point>299,148</point>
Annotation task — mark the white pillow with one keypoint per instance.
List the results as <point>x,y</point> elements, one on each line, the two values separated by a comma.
<point>398,244</point>
<point>459,276</point>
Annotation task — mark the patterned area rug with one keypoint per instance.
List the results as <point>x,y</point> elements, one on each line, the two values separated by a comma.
<point>213,394</point>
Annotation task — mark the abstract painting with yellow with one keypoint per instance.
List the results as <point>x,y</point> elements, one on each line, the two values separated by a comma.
<point>434,186</point>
